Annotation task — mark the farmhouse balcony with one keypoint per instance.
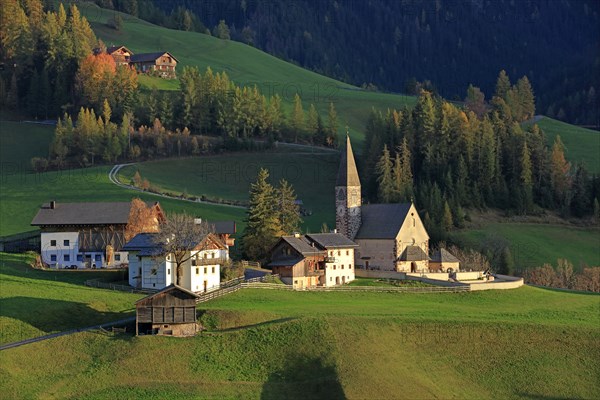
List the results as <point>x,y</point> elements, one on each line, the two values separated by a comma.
<point>329,259</point>
<point>197,262</point>
<point>315,272</point>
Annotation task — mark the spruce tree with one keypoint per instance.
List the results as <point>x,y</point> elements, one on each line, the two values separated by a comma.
<point>332,126</point>
<point>288,210</point>
<point>384,177</point>
<point>312,123</point>
<point>297,119</point>
<point>502,85</point>
<point>447,221</point>
<point>262,223</point>
<point>526,181</point>
<point>559,171</point>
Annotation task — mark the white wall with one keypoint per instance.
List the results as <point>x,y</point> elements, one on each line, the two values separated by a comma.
<point>60,250</point>
<point>342,270</point>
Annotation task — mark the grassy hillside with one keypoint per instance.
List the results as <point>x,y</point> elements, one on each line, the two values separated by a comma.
<point>22,194</point>
<point>523,343</point>
<point>247,66</point>
<point>581,145</point>
<point>535,244</point>
<point>229,176</point>
<point>19,142</point>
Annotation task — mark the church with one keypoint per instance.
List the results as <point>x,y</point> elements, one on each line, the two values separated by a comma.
<point>391,237</point>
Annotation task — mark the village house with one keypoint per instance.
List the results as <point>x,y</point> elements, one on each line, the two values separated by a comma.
<point>120,54</point>
<point>162,63</point>
<point>91,235</point>
<point>391,237</point>
<point>304,261</point>
<point>151,268</point>
<point>169,312</point>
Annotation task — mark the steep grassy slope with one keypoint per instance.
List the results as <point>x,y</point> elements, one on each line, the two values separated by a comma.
<point>22,194</point>
<point>523,343</point>
<point>19,142</point>
<point>247,66</point>
<point>581,145</point>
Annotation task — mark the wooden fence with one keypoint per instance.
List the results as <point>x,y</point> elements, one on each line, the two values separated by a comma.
<point>112,286</point>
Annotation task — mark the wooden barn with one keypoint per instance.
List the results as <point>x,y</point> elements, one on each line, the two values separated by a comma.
<point>170,312</point>
<point>163,63</point>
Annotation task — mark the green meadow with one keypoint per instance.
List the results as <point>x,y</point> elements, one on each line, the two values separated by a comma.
<point>532,245</point>
<point>522,343</point>
<point>581,144</point>
<point>20,141</point>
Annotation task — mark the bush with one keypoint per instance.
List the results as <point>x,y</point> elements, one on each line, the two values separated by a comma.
<point>39,164</point>
<point>116,22</point>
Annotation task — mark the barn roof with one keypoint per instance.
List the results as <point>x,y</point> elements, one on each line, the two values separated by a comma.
<point>347,173</point>
<point>382,221</point>
<point>443,255</point>
<point>167,289</point>
<point>300,244</point>
<point>331,240</point>
<point>147,57</point>
<point>413,253</point>
<point>112,49</point>
<point>85,213</point>
<point>146,245</point>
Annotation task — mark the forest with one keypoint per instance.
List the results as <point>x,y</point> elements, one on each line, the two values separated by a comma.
<point>402,46</point>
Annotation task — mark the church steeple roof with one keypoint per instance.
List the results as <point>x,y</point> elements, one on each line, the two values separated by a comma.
<point>347,174</point>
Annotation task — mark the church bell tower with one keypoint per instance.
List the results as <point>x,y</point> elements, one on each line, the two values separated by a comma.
<point>347,195</point>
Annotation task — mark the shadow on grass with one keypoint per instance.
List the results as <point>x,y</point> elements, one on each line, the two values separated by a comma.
<point>303,378</point>
<point>16,265</point>
<point>541,397</point>
<point>55,315</point>
<point>257,325</point>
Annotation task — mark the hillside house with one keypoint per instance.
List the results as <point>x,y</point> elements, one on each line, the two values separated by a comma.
<point>150,267</point>
<point>120,54</point>
<point>324,259</point>
<point>91,235</point>
<point>170,312</point>
<point>162,63</point>
<point>391,237</point>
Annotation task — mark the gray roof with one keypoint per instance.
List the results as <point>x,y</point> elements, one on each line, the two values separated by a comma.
<point>112,49</point>
<point>331,240</point>
<point>223,227</point>
<point>145,244</point>
<point>285,262</point>
<point>148,57</point>
<point>89,213</point>
<point>382,221</point>
<point>413,253</point>
<point>301,245</point>
<point>169,288</point>
<point>443,255</point>
<point>347,173</point>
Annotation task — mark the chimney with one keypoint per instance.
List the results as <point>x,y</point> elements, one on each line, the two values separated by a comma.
<point>296,235</point>
<point>197,221</point>
<point>53,204</point>
<point>335,231</point>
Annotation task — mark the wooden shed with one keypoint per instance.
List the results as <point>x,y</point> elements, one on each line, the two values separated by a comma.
<point>170,312</point>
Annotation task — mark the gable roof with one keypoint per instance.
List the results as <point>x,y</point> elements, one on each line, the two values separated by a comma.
<point>443,255</point>
<point>86,213</point>
<point>301,245</point>
<point>147,57</point>
<point>112,49</point>
<point>413,253</point>
<point>347,173</point>
<point>169,288</point>
<point>146,245</point>
<point>331,240</point>
<point>382,221</point>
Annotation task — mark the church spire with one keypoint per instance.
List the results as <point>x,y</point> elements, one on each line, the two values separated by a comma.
<point>347,174</point>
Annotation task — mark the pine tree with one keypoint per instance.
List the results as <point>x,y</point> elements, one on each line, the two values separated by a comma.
<point>402,174</point>
<point>288,210</point>
<point>384,177</point>
<point>526,180</point>
<point>332,126</point>
<point>596,210</point>
<point>526,98</point>
<point>447,221</point>
<point>262,223</point>
<point>559,171</point>
<point>312,122</point>
<point>297,120</point>
<point>580,203</point>
<point>502,85</point>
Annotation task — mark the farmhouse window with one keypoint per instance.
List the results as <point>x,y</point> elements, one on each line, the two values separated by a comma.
<point>212,255</point>
<point>205,269</point>
<point>98,257</point>
<point>79,257</point>
<point>347,252</point>
<point>342,266</point>
<point>169,271</point>
<point>52,257</point>
<point>350,266</point>
<point>334,266</point>
<point>197,271</point>
<point>53,243</point>
<point>213,270</point>
<point>66,242</point>
<point>339,253</point>
<point>67,257</point>
<point>117,257</point>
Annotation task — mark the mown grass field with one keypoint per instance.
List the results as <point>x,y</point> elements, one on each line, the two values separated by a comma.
<point>523,343</point>
<point>21,195</point>
<point>246,65</point>
<point>535,244</point>
<point>312,173</point>
<point>581,145</point>
<point>19,142</point>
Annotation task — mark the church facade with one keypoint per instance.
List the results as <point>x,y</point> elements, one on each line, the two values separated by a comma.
<point>391,237</point>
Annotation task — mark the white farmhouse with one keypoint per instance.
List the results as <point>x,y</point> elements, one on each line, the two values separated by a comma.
<point>92,234</point>
<point>151,268</point>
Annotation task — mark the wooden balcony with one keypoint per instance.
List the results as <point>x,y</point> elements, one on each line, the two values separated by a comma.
<point>197,262</point>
